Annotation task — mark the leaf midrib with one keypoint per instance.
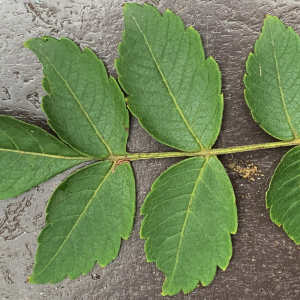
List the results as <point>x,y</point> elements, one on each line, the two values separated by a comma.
<point>47,155</point>
<point>186,216</point>
<point>280,85</point>
<point>168,87</point>
<point>80,216</point>
<point>78,102</point>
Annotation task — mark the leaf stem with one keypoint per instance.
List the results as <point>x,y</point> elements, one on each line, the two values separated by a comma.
<point>205,152</point>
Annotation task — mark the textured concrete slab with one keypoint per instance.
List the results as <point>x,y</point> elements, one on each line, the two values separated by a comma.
<point>265,263</point>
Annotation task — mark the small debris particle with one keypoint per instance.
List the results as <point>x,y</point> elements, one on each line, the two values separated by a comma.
<point>244,168</point>
<point>95,276</point>
<point>259,70</point>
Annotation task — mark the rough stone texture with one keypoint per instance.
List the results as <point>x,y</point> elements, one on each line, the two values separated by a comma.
<point>265,263</point>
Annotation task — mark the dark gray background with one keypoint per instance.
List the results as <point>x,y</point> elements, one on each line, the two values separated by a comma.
<point>265,262</point>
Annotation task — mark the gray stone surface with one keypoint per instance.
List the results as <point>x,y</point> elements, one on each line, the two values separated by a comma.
<point>265,263</point>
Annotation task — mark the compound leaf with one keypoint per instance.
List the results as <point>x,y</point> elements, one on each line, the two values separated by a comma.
<point>283,196</point>
<point>174,92</point>
<point>84,107</point>
<point>273,80</point>
<point>29,155</point>
<point>190,213</point>
<point>87,215</point>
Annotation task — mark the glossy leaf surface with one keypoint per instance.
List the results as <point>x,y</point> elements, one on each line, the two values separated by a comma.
<point>29,156</point>
<point>273,80</point>
<point>84,107</point>
<point>283,196</point>
<point>174,92</point>
<point>87,216</point>
<point>189,215</point>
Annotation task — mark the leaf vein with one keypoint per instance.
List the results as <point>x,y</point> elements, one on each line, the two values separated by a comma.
<point>280,85</point>
<point>80,217</point>
<point>186,217</point>
<point>168,87</point>
<point>78,102</point>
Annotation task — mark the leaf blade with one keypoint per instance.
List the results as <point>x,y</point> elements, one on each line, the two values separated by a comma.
<point>84,106</point>
<point>282,197</point>
<point>39,155</point>
<point>178,223</point>
<point>272,80</point>
<point>85,224</point>
<point>170,102</point>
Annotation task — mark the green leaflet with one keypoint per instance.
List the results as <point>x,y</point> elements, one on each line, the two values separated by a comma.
<point>283,196</point>
<point>190,213</point>
<point>85,107</point>
<point>87,215</point>
<point>174,92</point>
<point>29,156</point>
<point>273,80</point>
